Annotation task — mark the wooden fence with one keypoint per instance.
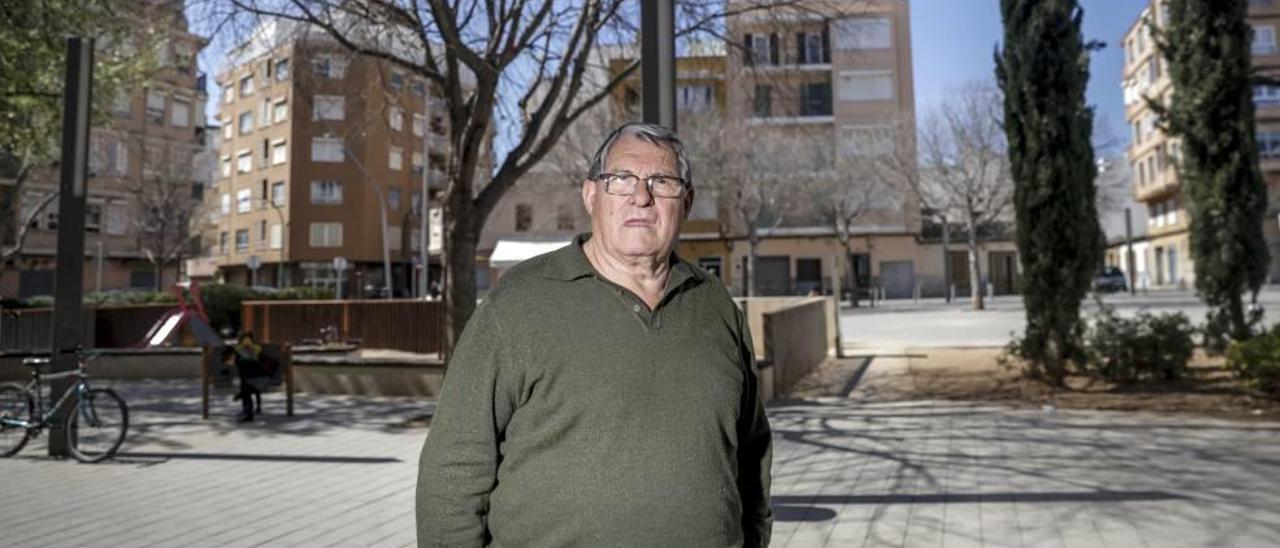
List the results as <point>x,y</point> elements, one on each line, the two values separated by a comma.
<point>395,324</point>
<point>31,329</point>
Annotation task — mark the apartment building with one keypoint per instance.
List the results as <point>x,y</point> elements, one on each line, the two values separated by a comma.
<point>318,145</point>
<point>834,76</point>
<point>141,157</point>
<point>1163,257</point>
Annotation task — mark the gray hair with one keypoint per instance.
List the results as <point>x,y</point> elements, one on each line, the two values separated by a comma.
<point>651,133</point>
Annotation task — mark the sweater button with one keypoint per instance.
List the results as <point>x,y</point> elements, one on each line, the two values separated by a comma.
<point>635,308</point>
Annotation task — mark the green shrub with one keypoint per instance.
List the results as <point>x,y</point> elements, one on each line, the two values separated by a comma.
<point>1257,361</point>
<point>222,304</point>
<point>1148,346</point>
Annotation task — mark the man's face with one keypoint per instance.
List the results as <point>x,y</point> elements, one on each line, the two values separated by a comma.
<point>638,225</point>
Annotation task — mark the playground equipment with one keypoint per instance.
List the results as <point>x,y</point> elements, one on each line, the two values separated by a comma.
<point>189,312</point>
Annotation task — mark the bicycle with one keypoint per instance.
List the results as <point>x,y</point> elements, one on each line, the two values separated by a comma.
<point>96,419</point>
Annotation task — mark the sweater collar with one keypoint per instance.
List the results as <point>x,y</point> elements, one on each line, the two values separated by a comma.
<point>570,263</point>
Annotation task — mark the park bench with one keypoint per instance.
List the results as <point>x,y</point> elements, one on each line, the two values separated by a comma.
<point>217,374</point>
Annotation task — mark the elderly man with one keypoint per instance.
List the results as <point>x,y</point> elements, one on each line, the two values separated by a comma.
<point>604,394</point>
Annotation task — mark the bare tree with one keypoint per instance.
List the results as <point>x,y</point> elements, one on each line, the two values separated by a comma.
<point>964,173</point>
<point>509,69</point>
<point>166,207</point>
<point>756,183</point>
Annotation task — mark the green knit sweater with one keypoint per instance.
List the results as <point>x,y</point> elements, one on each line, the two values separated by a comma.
<point>572,415</point>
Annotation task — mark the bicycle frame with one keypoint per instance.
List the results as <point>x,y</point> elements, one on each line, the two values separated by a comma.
<point>36,387</point>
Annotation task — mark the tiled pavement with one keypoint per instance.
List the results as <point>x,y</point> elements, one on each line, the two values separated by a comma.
<point>847,472</point>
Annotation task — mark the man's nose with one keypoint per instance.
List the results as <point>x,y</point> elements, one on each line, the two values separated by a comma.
<point>641,196</point>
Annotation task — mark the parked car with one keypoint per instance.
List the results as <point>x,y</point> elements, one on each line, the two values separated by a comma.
<point>1111,279</point>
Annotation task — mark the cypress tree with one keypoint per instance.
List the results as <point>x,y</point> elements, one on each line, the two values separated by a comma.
<point>1208,48</point>
<point>1043,70</point>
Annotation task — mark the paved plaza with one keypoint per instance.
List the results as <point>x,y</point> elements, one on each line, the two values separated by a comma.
<point>848,472</point>
<point>935,323</point>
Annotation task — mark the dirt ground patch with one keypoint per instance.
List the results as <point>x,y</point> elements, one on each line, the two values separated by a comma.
<point>975,374</point>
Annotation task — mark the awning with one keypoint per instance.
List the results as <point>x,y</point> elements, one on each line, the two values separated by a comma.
<point>508,253</point>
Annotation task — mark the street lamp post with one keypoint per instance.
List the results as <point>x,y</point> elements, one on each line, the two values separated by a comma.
<point>284,240</point>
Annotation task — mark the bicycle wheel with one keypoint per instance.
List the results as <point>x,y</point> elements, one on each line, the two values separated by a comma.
<point>16,404</point>
<point>96,427</point>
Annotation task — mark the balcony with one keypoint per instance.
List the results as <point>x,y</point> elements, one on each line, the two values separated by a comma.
<point>436,178</point>
<point>1165,184</point>
<point>435,141</point>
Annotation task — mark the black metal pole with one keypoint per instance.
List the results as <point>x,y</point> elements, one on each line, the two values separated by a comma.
<point>68,308</point>
<point>1128,251</point>
<point>658,61</point>
<point>946,259</point>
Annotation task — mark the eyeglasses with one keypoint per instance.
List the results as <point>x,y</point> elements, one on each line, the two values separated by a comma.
<point>660,186</point>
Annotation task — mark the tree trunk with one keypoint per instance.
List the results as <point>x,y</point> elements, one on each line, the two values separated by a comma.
<point>753,241</point>
<point>975,270</point>
<point>459,268</point>
<point>1239,324</point>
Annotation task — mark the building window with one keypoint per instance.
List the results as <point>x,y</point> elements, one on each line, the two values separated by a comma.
<point>242,240</point>
<point>222,243</point>
<point>277,193</point>
<point>244,161</point>
<point>326,234</point>
<point>762,49</point>
<point>395,158</point>
<point>279,152</point>
<point>564,218</point>
<point>815,99</point>
<point>1269,144</point>
<point>326,192</point>
<point>262,234</point>
<point>329,107</point>
<point>860,33</point>
<point>227,128</point>
<point>228,94</point>
<point>244,200</point>
<point>763,101</point>
<point>694,98</point>
<point>330,66</point>
<point>419,88</point>
<point>117,158</point>
<point>277,236</point>
<point>1264,39</point>
<point>225,200</point>
<point>869,140</point>
<point>1264,94</point>
<point>866,85</point>
<point>92,217</point>
<point>393,199</point>
<point>396,118</point>
<point>155,106</point>
<point>246,86</point>
<point>282,69</point>
<point>326,149</point>
<point>181,114</point>
<point>281,111</point>
<point>419,124</point>
<point>524,217</point>
<point>396,81</point>
<point>811,48</point>
<point>246,122</point>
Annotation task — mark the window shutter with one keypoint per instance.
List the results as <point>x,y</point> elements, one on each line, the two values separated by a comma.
<point>800,48</point>
<point>748,56</point>
<point>826,44</point>
<point>773,48</point>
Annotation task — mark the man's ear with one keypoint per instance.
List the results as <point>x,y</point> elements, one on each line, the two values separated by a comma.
<point>588,195</point>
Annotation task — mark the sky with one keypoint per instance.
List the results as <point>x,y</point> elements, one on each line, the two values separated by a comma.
<point>953,43</point>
